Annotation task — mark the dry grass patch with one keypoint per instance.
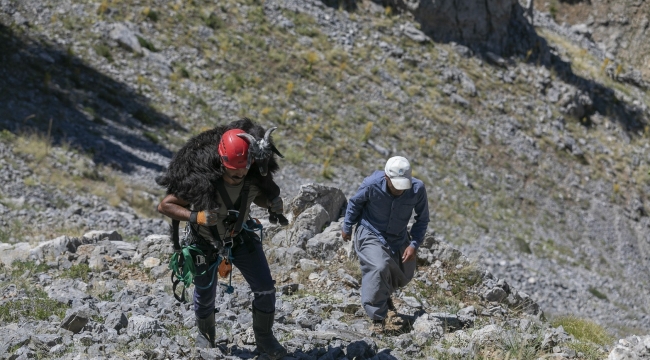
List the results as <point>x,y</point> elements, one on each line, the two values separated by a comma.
<point>583,329</point>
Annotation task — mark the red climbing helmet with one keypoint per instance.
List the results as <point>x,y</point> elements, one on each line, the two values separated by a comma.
<point>234,150</point>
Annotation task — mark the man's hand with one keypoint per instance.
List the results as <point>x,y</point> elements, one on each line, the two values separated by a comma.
<point>409,254</point>
<point>276,205</point>
<point>206,217</point>
<point>346,237</point>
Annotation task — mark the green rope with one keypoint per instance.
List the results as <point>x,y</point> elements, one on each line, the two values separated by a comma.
<point>187,272</point>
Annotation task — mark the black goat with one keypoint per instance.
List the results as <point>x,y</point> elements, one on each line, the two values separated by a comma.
<point>194,170</point>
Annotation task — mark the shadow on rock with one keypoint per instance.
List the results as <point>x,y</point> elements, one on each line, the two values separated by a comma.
<point>498,30</point>
<point>46,89</point>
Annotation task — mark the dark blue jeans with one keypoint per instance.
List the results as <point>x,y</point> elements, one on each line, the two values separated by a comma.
<point>250,260</point>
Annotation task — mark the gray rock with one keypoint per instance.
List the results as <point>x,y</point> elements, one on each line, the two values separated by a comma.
<point>309,223</point>
<point>326,244</point>
<point>97,235</point>
<point>308,265</point>
<point>495,294</point>
<point>554,337</point>
<point>490,332</point>
<point>67,291</point>
<point>141,325</point>
<point>412,302</point>
<point>632,347</point>
<point>75,319</point>
<point>116,320</point>
<point>426,328</point>
<point>125,37</point>
<point>414,34</point>
<point>45,342</point>
<point>160,272</point>
<point>12,336</point>
<point>12,252</point>
<point>467,315</point>
<point>484,24</point>
<point>331,199</point>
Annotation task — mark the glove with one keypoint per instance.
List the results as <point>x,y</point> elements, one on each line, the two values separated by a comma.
<point>204,217</point>
<point>276,205</point>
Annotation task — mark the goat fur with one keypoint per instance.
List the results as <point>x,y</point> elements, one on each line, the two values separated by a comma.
<point>194,170</point>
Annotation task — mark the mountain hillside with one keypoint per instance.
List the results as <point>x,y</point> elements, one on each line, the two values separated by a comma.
<point>618,27</point>
<point>536,159</point>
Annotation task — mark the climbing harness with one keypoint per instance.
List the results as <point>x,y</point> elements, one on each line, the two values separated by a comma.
<point>184,265</point>
<point>196,251</point>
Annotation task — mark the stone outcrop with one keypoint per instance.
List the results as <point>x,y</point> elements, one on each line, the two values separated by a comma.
<point>483,25</point>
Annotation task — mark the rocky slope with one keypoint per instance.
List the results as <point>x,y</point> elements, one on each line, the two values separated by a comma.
<point>536,164</point>
<point>107,298</point>
<point>620,28</point>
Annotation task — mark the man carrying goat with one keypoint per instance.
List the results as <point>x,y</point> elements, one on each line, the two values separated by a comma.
<point>211,183</point>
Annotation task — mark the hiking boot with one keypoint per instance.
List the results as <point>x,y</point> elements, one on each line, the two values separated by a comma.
<point>377,327</point>
<point>206,335</point>
<point>264,339</point>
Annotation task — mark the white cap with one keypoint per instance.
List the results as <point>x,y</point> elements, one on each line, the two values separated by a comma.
<point>398,170</point>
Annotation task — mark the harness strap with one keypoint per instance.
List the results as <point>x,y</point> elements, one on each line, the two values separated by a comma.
<point>242,201</point>
<point>267,292</point>
<point>175,241</point>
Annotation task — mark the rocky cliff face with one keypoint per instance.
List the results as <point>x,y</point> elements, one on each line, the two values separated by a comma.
<point>619,27</point>
<point>479,24</point>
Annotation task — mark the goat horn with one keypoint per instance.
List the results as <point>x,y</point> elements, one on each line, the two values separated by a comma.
<point>251,139</point>
<point>268,134</point>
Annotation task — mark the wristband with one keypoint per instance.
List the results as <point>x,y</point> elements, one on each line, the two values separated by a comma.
<point>193,216</point>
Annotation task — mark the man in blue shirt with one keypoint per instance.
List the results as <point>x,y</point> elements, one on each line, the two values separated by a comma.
<point>381,209</point>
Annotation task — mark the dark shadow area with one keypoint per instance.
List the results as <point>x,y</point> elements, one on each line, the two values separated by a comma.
<point>347,5</point>
<point>520,40</point>
<point>525,43</point>
<point>43,84</point>
<point>573,2</point>
<point>355,350</point>
<point>241,353</point>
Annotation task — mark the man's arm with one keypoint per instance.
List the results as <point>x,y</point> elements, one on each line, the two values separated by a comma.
<point>353,211</point>
<point>419,228</point>
<point>176,208</point>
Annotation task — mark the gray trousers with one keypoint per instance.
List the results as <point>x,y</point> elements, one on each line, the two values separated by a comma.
<point>382,272</point>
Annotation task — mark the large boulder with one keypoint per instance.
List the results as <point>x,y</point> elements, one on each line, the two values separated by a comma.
<point>309,223</point>
<point>330,198</point>
<point>314,208</point>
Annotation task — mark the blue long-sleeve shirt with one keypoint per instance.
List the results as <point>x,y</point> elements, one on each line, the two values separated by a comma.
<point>374,207</point>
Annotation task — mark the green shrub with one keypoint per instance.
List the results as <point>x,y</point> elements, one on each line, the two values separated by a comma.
<point>151,136</point>
<point>214,21</point>
<point>522,245</point>
<point>37,306</point>
<point>80,271</point>
<point>19,267</point>
<point>518,346</point>
<point>597,293</point>
<point>583,329</point>
<point>146,44</point>
<point>152,15</point>
<point>104,51</point>
<point>6,136</point>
